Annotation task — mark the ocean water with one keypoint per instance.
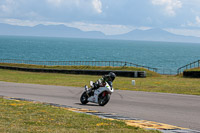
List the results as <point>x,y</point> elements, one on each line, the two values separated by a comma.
<point>166,56</point>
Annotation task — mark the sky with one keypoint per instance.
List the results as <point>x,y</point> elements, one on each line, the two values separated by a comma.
<point>108,16</point>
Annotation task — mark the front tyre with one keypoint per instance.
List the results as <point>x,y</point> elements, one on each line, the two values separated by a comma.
<point>84,98</point>
<point>103,100</point>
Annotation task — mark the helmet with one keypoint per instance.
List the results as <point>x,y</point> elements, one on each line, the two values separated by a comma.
<point>111,76</point>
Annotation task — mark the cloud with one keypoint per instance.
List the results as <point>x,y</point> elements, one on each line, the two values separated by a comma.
<point>195,23</point>
<point>63,2</point>
<point>4,9</point>
<point>55,2</point>
<point>107,29</point>
<point>7,7</point>
<point>198,20</point>
<point>97,5</point>
<point>108,16</point>
<point>170,5</point>
<point>185,32</point>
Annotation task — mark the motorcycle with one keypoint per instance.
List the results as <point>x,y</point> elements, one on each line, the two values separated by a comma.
<point>100,96</point>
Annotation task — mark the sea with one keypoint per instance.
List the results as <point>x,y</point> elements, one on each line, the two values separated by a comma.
<point>166,56</point>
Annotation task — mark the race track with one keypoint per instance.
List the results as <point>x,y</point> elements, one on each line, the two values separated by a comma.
<point>173,109</point>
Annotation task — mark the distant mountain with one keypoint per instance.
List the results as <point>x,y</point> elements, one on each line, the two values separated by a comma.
<point>155,35</point>
<point>64,31</point>
<point>50,31</point>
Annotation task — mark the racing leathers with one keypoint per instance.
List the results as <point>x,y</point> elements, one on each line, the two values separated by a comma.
<point>102,82</point>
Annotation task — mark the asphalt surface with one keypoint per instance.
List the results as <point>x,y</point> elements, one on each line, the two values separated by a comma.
<point>173,109</point>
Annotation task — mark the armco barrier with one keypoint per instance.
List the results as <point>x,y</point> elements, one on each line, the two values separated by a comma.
<point>135,74</point>
<point>191,74</point>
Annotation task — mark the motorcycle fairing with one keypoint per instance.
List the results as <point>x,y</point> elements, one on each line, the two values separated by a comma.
<point>99,91</point>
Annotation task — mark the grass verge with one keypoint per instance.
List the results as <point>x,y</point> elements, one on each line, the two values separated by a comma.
<point>149,73</point>
<point>194,69</point>
<point>23,116</point>
<point>165,84</point>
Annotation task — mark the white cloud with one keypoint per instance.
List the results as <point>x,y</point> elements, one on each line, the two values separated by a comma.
<point>97,5</point>
<point>8,7</point>
<point>170,5</point>
<point>55,2</point>
<point>19,22</point>
<point>194,23</point>
<point>197,19</point>
<point>5,9</point>
<point>185,32</point>
<point>107,29</point>
<point>63,2</point>
<point>83,14</point>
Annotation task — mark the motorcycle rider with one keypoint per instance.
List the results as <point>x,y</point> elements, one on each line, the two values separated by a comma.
<point>109,78</point>
<point>100,91</point>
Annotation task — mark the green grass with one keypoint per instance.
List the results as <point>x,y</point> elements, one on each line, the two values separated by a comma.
<point>28,117</point>
<point>162,83</point>
<point>194,69</point>
<point>149,73</point>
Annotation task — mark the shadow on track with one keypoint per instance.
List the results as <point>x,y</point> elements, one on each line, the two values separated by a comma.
<point>88,104</point>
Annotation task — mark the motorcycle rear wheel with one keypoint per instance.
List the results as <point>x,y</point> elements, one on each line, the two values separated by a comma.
<point>103,100</point>
<point>84,98</point>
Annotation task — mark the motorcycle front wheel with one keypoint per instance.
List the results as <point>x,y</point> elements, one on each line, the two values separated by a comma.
<point>103,100</point>
<point>84,98</point>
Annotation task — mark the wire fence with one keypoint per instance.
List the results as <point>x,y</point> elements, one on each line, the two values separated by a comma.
<point>77,63</point>
<point>165,71</point>
<point>188,66</point>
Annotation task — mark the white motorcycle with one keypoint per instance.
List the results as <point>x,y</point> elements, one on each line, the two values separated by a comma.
<point>100,96</point>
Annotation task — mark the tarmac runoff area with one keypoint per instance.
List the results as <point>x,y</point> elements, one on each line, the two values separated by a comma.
<point>26,92</point>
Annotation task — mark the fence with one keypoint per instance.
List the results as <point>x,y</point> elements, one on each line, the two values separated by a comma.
<point>188,66</point>
<point>165,71</point>
<point>76,63</point>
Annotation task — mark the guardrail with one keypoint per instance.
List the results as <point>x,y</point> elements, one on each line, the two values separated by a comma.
<point>76,63</point>
<point>188,66</point>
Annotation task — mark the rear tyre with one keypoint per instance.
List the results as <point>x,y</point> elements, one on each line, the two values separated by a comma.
<point>84,98</point>
<point>103,100</point>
